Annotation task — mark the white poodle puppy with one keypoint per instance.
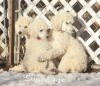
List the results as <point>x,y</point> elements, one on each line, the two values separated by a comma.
<point>65,46</point>
<point>75,59</point>
<point>37,44</point>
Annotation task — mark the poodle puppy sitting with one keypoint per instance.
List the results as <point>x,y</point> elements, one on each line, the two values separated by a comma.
<point>75,59</point>
<point>37,44</point>
<point>65,46</point>
<point>21,29</point>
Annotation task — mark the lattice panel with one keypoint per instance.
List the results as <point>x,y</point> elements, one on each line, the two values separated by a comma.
<point>3,28</point>
<point>88,12</point>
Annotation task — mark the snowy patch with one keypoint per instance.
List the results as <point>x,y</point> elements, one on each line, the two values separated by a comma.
<point>62,79</point>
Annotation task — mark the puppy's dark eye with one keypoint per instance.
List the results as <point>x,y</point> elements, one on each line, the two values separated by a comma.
<point>19,25</point>
<point>41,30</point>
<point>48,30</point>
<point>73,30</point>
<point>25,26</point>
<point>66,22</point>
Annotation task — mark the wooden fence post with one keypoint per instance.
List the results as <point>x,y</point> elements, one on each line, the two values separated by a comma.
<point>11,33</point>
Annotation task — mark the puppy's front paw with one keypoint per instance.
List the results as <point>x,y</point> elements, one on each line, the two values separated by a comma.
<point>18,69</point>
<point>41,59</point>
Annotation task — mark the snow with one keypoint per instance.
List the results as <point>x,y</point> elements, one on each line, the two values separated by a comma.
<point>38,79</point>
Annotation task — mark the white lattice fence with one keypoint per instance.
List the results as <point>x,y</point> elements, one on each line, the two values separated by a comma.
<point>3,28</point>
<point>87,11</point>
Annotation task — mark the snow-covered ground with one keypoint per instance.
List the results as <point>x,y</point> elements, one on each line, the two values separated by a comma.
<point>32,79</point>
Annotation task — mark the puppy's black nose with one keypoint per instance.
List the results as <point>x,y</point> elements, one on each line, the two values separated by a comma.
<point>48,30</point>
<point>20,32</point>
<point>47,37</point>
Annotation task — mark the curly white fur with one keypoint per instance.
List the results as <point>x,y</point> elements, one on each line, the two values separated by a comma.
<point>75,59</point>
